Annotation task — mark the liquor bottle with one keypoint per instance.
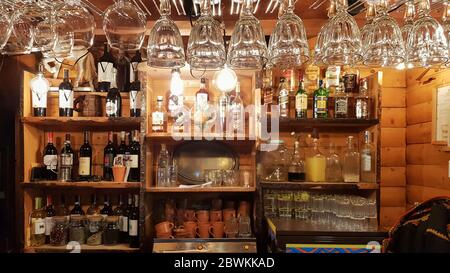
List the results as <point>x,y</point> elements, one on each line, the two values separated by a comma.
<point>125,218</point>
<point>135,155</point>
<point>135,97</point>
<point>93,208</point>
<point>108,158</point>
<point>66,96</point>
<point>39,91</point>
<point>134,63</point>
<point>315,162</point>
<point>283,98</point>
<point>118,211</point>
<point>332,76</point>
<point>362,107</point>
<point>62,209</point>
<point>123,72</point>
<point>65,172</point>
<point>334,168</point>
<point>301,102</point>
<point>367,160</point>
<point>162,177</point>
<point>77,209</point>
<point>223,106</point>
<point>51,158</point>
<point>113,100</point>
<point>50,212</point>
<point>351,164</point>
<point>202,96</point>
<point>105,70</point>
<point>37,234</point>
<point>312,73</point>
<point>340,102</point>
<point>296,170</point>
<point>237,111</point>
<point>267,91</point>
<point>85,159</point>
<point>107,209</point>
<point>321,102</point>
<point>121,150</point>
<point>158,116</point>
<point>351,78</point>
<point>133,224</point>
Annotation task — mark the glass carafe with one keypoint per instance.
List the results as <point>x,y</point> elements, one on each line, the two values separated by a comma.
<point>296,170</point>
<point>351,165</point>
<point>334,171</point>
<point>315,163</point>
<point>274,162</point>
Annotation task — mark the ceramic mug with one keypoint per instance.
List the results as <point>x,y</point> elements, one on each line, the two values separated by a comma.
<point>164,227</point>
<point>189,215</point>
<point>190,227</point>
<point>202,216</point>
<point>216,216</point>
<point>202,230</point>
<point>228,214</point>
<point>217,229</point>
<point>164,236</point>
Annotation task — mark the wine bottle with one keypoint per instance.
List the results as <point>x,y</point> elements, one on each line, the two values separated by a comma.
<point>113,100</point>
<point>50,158</point>
<point>118,211</point>
<point>37,234</point>
<point>85,160</point>
<point>125,218</point>
<point>108,158</point>
<point>93,208</point>
<point>123,72</point>
<point>77,209</point>
<point>66,160</point>
<point>135,86</point>
<point>66,96</point>
<point>39,91</point>
<point>122,149</point>
<point>106,210</point>
<point>50,212</point>
<point>105,70</point>
<point>135,61</point>
<point>133,227</point>
<point>62,209</point>
<point>134,159</point>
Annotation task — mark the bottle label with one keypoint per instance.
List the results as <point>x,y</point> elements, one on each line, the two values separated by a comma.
<point>126,159</point>
<point>39,225</point>
<point>108,160</point>
<point>120,223</point>
<point>366,162</point>
<point>321,104</point>
<point>111,108</point>
<point>124,224</point>
<point>301,102</point>
<point>201,100</point>
<point>283,99</point>
<point>66,159</point>
<point>158,118</point>
<point>341,106</point>
<point>48,225</point>
<point>135,100</point>
<point>65,98</point>
<point>175,102</point>
<point>39,100</point>
<point>105,72</point>
<point>133,228</point>
<point>133,69</point>
<point>85,164</point>
<point>361,108</point>
<point>134,161</point>
<point>332,76</point>
<point>51,161</point>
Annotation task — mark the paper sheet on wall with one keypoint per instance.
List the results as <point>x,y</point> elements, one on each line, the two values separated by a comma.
<point>443,114</point>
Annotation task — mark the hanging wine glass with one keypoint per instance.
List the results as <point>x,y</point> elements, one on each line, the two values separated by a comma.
<point>427,45</point>
<point>22,34</point>
<point>248,49</point>
<point>124,24</point>
<point>410,13</point>
<point>366,29</point>
<point>165,47</point>
<point>385,45</point>
<point>205,48</point>
<point>342,40</point>
<point>5,24</point>
<point>44,29</point>
<point>446,24</point>
<point>319,47</point>
<point>288,46</point>
<point>65,39</point>
<point>80,19</point>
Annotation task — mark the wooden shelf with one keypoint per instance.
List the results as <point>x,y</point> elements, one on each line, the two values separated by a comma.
<point>55,94</point>
<point>318,185</point>
<point>84,248</point>
<point>194,190</point>
<point>83,123</point>
<point>82,185</point>
<point>325,125</point>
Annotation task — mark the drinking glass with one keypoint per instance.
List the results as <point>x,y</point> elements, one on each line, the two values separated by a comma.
<point>230,178</point>
<point>248,49</point>
<point>205,48</point>
<point>301,207</point>
<point>317,209</point>
<point>22,34</point>
<point>231,228</point>
<point>270,204</point>
<point>366,29</point>
<point>288,46</point>
<point>124,24</point>
<point>285,204</point>
<point>65,39</point>
<point>410,13</point>
<point>5,24</point>
<point>165,47</point>
<point>45,34</point>
<point>320,42</point>
<point>214,177</point>
<point>245,228</point>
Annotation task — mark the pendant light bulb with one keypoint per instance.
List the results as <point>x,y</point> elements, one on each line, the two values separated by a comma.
<point>176,83</point>
<point>225,79</point>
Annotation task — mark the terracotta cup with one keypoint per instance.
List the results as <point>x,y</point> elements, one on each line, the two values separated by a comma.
<point>215,216</point>
<point>217,229</point>
<point>203,230</point>
<point>228,214</point>
<point>189,215</point>
<point>202,216</point>
<point>119,173</point>
<point>164,227</point>
<point>216,204</point>
<point>164,235</point>
<point>244,208</point>
<point>190,227</point>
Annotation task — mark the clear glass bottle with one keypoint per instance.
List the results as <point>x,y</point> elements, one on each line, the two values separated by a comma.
<point>162,178</point>
<point>321,102</point>
<point>334,168</point>
<point>351,164</point>
<point>37,223</point>
<point>368,173</point>
<point>158,119</point>
<point>223,106</point>
<point>315,162</point>
<point>283,98</point>
<point>237,110</point>
<point>296,170</point>
<point>363,101</point>
<point>340,102</point>
<point>275,162</point>
<point>301,102</point>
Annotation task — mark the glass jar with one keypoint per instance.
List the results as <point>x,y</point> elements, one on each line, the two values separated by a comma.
<point>94,230</point>
<point>111,232</point>
<point>59,233</point>
<point>274,161</point>
<point>77,229</point>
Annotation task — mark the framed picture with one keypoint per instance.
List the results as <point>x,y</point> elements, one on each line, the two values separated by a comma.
<point>441,116</point>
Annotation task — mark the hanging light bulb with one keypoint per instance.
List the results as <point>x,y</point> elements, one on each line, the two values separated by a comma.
<point>427,44</point>
<point>176,84</point>
<point>225,79</point>
<point>319,47</point>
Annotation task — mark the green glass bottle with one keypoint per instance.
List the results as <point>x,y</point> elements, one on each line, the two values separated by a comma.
<point>301,102</point>
<point>321,101</point>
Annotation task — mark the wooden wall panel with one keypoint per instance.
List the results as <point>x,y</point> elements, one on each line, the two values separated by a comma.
<point>393,137</point>
<point>393,176</point>
<point>393,196</point>
<point>426,154</point>
<point>393,157</point>
<point>418,133</point>
<point>394,97</point>
<point>393,118</point>
<point>390,215</point>
<point>421,193</point>
<point>419,113</point>
<point>434,176</point>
